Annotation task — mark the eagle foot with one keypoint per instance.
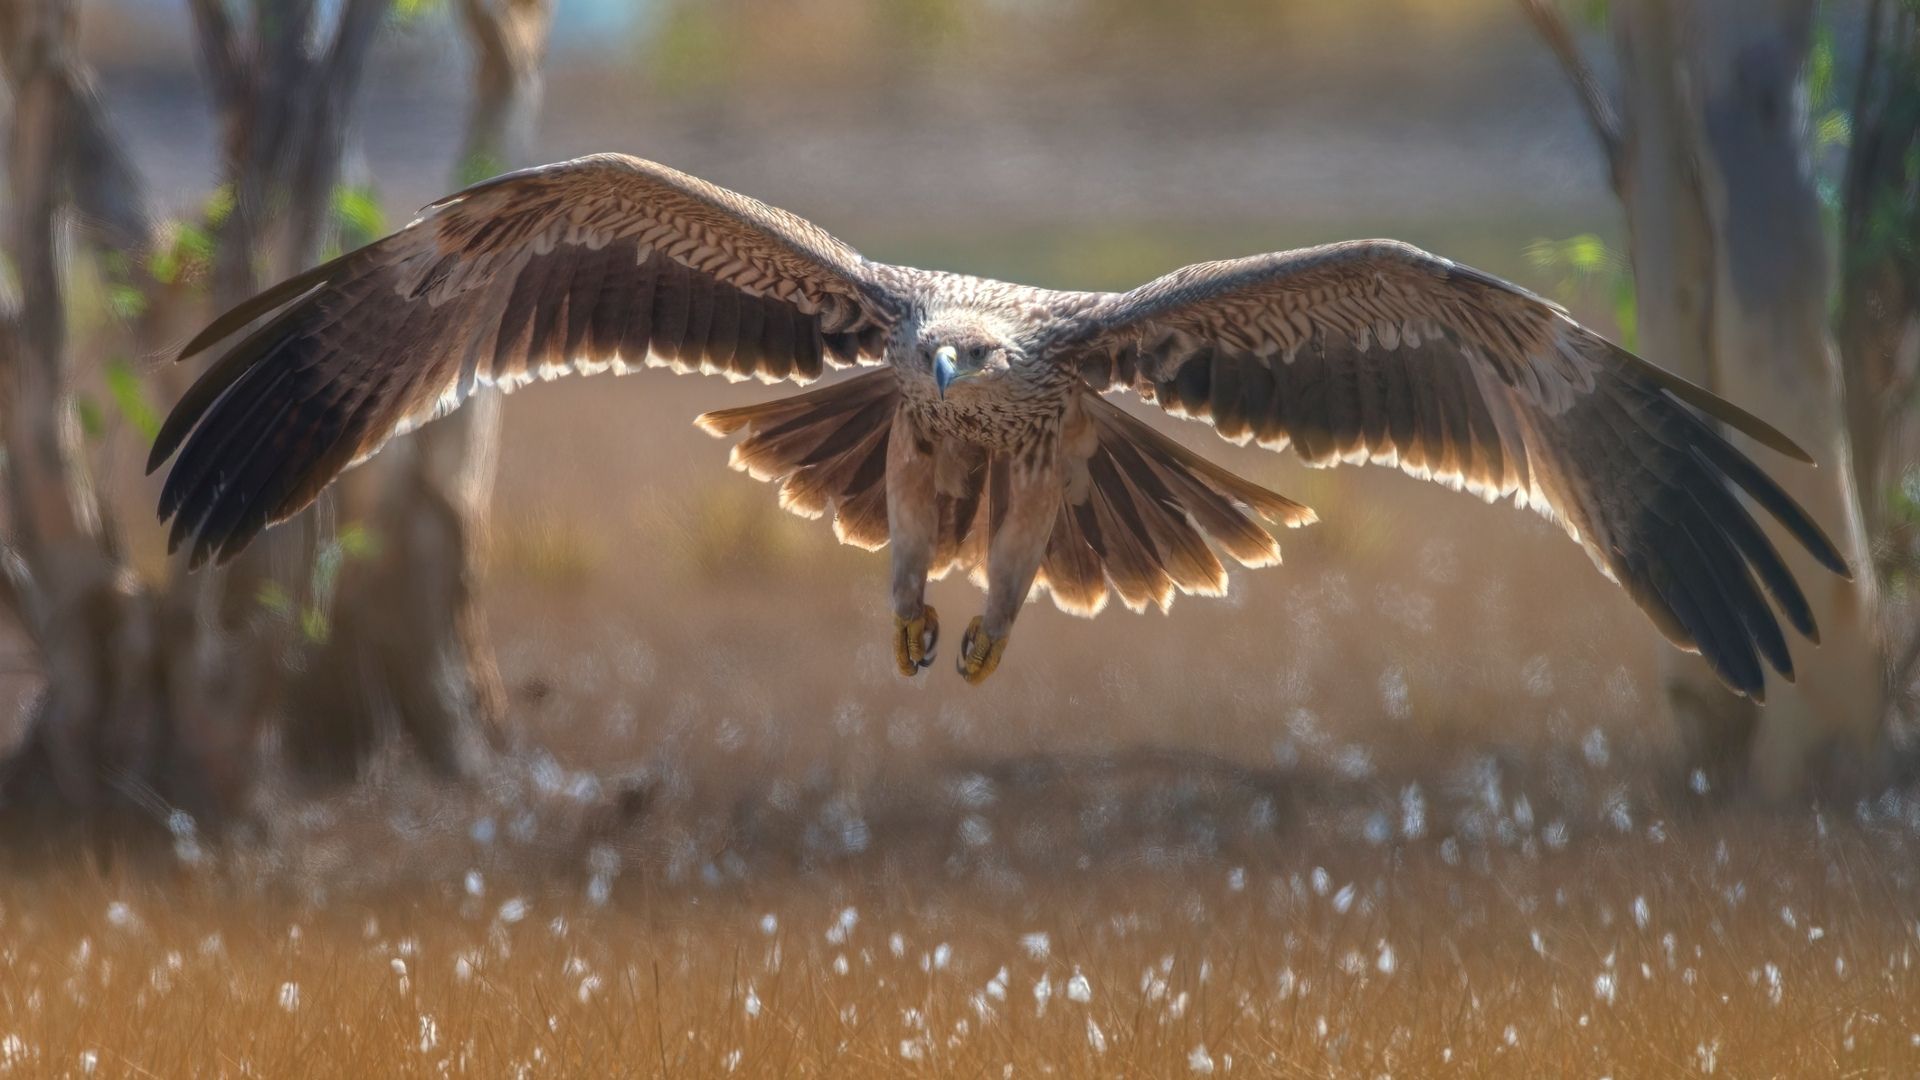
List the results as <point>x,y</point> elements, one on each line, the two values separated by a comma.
<point>980,652</point>
<point>914,641</point>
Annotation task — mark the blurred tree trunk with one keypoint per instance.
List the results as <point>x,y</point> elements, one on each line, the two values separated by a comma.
<point>109,738</point>
<point>282,88</point>
<point>409,650</point>
<point>154,697</point>
<point>1879,318</point>
<point>1707,152</point>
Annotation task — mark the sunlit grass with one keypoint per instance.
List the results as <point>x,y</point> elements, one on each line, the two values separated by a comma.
<point>1729,946</point>
<point>548,549</point>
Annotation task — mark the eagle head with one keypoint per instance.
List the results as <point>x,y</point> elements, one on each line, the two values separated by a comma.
<point>967,350</point>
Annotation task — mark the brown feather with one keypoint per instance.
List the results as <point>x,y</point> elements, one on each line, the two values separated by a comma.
<point>537,273</point>
<point>1376,350</point>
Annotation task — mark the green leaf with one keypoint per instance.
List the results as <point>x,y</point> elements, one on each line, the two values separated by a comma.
<point>130,397</point>
<point>188,254</point>
<point>1626,311</point>
<point>274,597</point>
<point>357,209</point>
<point>218,207</point>
<point>406,12</point>
<point>477,167</point>
<point>1835,129</point>
<point>127,301</point>
<point>93,423</point>
<point>356,541</point>
<point>314,625</point>
<point>1820,67</point>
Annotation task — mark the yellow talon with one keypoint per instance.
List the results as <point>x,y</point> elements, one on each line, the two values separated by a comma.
<point>980,652</point>
<point>914,641</point>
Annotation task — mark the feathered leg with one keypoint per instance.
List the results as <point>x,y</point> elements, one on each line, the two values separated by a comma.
<point>913,526</point>
<point>1026,501</point>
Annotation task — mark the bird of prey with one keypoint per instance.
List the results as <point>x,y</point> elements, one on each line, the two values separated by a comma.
<point>979,438</point>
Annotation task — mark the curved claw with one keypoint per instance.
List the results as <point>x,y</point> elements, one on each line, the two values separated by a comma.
<point>980,652</point>
<point>914,641</point>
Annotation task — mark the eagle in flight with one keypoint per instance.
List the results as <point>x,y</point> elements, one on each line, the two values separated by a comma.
<point>980,438</point>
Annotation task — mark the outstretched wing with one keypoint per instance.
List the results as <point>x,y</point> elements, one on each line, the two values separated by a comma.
<point>1378,351</point>
<point>604,261</point>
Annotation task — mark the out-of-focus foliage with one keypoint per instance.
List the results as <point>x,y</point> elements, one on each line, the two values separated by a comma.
<point>1584,268</point>
<point>130,397</point>
<point>479,167</point>
<point>313,616</point>
<point>185,251</point>
<point>357,216</point>
<point>405,13</point>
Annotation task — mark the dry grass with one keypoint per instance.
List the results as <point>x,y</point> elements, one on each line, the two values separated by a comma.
<point>1471,940</point>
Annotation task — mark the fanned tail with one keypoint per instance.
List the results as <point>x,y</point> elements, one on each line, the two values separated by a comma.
<point>1135,518</point>
<point>1138,511</point>
<point>826,448</point>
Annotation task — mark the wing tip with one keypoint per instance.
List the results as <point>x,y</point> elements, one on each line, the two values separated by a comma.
<point>1699,397</point>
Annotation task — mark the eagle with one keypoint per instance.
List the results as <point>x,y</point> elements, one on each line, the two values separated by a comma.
<point>979,435</point>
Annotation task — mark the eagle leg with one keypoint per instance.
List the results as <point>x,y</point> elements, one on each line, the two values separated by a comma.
<point>915,640</point>
<point>980,652</point>
<point>1025,494</point>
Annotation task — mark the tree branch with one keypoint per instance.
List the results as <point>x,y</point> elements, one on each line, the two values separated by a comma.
<point>488,31</point>
<point>93,172</point>
<point>1602,116</point>
<point>108,193</point>
<point>316,157</point>
<point>220,51</point>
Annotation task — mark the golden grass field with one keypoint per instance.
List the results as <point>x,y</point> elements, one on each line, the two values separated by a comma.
<point>1216,938</point>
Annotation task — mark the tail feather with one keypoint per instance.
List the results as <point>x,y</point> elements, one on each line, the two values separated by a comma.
<point>1136,513</point>
<point>827,448</point>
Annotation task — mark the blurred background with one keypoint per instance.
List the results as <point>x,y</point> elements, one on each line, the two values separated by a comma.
<point>561,636</point>
<point>643,604</point>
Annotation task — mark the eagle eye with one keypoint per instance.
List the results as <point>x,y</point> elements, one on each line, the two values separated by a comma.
<point>977,353</point>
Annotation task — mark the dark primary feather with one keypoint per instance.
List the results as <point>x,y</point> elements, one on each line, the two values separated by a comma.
<point>603,261</point>
<point>1376,351</point>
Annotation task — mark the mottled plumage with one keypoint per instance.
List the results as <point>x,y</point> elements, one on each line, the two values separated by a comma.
<point>984,443</point>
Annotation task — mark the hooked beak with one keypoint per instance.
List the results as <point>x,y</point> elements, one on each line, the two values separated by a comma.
<point>944,370</point>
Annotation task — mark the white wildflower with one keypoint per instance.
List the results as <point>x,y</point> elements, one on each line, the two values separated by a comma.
<point>121,917</point>
<point>429,1033</point>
